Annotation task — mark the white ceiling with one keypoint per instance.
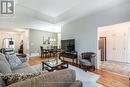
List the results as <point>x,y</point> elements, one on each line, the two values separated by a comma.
<point>41,14</point>
<point>51,8</point>
<point>61,10</point>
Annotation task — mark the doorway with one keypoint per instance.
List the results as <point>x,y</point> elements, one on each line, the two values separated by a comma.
<point>102,48</point>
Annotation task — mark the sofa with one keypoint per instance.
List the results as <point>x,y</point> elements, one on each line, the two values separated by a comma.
<point>24,67</point>
<point>63,78</point>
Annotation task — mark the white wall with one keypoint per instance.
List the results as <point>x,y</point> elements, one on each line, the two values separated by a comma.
<point>18,35</point>
<point>84,29</point>
<point>13,35</point>
<point>25,37</point>
<point>129,45</point>
<point>59,40</point>
<point>36,40</point>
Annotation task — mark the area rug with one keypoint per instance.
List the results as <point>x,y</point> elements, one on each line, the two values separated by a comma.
<point>89,79</point>
<point>119,67</point>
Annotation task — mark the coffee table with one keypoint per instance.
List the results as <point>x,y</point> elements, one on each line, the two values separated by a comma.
<point>54,65</point>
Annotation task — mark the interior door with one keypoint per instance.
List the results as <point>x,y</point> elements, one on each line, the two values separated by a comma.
<point>110,46</point>
<point>121,47</point>
<point>118,55</point>
<point>116,47</point>
<point>102,47</point>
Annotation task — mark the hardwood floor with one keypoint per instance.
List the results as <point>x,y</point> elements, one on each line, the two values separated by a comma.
<point>108,79</point>
<point>35,60</point>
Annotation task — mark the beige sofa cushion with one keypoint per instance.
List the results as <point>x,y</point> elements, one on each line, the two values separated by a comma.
<point>2,58</point>
<point>13,78</point>
<point>63,78</point>
<point>4,68</point>
<point>25,70</point>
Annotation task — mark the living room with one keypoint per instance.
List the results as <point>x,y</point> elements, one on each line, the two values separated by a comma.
<point>47,43</point>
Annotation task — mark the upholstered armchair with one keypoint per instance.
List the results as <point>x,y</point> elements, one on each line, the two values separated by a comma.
<point>88,60</point>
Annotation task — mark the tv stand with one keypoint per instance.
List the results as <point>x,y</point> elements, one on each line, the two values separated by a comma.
<point>70,55</point>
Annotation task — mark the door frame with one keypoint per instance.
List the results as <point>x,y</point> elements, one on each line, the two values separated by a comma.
<point>105,48</point>
<point>98,62</point>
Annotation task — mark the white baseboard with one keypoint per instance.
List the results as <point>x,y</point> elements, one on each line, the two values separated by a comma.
<point>34,54</point>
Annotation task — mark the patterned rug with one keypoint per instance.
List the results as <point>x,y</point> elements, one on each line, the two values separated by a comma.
<point>89,79</point>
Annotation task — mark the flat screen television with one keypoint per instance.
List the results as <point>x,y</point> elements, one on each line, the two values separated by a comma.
<point>68,45</point>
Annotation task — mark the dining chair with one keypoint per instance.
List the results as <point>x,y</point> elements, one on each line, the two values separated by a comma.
<point>44,52</point>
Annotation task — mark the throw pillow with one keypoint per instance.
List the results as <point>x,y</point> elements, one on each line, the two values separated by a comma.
<point>13,60</point>
<point>9,53</point>
<point>10,79</point>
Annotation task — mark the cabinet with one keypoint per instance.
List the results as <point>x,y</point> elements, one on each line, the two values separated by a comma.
<point>71,55</point>
<point>117,45</point>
